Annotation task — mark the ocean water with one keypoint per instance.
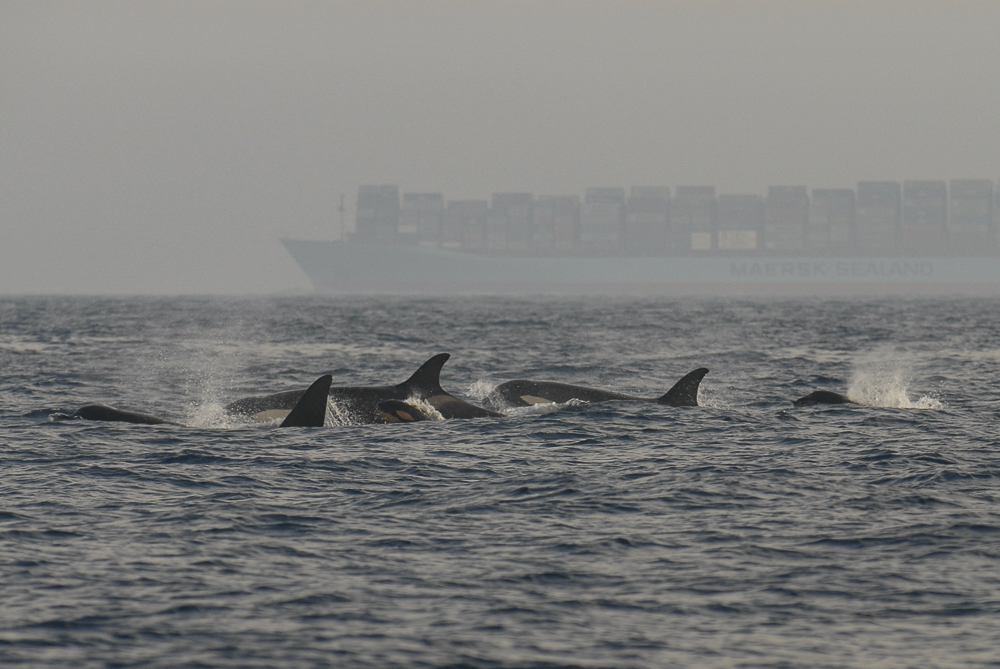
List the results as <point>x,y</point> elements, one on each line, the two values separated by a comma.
<point>740,533</point>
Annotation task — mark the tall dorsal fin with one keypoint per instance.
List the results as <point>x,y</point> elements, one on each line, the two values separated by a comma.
<point>685,392</point>
<point>427,379</point>
<point>311,409</point>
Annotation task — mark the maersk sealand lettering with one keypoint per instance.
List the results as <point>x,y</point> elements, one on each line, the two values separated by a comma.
<point>872,269</point>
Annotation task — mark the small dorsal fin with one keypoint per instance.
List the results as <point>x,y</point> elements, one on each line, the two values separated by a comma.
<point>311,409</point>
<point>427,379</point>
<point>685,392</point>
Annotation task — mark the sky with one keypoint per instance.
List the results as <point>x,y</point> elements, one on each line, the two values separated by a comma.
<point>166,147</point>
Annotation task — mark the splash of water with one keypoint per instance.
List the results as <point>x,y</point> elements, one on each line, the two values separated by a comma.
<point>481,389</point>
<point>541,408</point>
<point>426,407</point>
<point>882,379</point>
<point>337,415</point>
<point>209,414</point>
<point>340,415</point>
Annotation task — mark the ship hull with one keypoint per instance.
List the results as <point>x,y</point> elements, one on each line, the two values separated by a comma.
<point>353,268</point>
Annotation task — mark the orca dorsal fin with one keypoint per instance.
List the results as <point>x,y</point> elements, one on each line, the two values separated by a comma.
<point>427,379</point>
<point>685,392</point>
<point>310,411</point>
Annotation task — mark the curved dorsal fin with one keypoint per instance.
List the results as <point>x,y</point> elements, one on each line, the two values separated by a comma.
<point>685,392</point>
<point>427,379</point>
<point>311,409</point>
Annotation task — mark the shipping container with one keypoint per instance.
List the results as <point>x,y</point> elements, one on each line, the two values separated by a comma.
<point>420,219</point>
<point>509,222</point>
<point>996,217</point>
<point>693,220</point>
<point>542,216</point>
<point>555,224</point>
<point>970,216</point>
<point>647,220</point>
<point>602,220</point>
<point>878,217</point>
<point>830,228</point>
<point>377,217</point>
<point>464,225</point>
<point>740,220</point>
<point>915,218</point>
<point>565,223</point>
<point>925,217</point>
<point>786,210</point>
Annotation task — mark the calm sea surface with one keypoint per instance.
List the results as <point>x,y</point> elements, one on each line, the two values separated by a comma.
<point>741,533</point>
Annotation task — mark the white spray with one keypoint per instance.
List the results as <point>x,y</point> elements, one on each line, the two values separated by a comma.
<point>882,379</point>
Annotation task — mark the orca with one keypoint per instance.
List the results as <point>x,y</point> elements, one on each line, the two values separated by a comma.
<point>822,397</point>
<point>522,393</point>
<point>309,411</point>
<point>398,411</point>
<point>360,403</point>
<point>111,414</point>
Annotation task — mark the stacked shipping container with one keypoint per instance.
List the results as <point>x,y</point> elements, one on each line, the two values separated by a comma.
<point>464,225</point>
<point>877,216</point>
<point>692,216</point>
<point>921,218</point>
<point>925,216</point>
<point>377,214</point>
<point>740,220</point>
<point>420,219</point>
<point>601,220</point>
<point>831,221</point>
<point>970,216</point>
<point>647,220</point>
<point>786,210</point>
<point>509,222</point>
<point>556,223</point>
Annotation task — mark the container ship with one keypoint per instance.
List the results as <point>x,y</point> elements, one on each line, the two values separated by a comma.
<point>916,237</point>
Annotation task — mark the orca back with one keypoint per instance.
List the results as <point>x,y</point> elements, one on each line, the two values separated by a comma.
<point>110,414</point>
<point>522,392</point>
<point>822,397</point>
<point>250,406</point>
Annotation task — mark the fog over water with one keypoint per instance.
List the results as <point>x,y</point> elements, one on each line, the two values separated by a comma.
<point>164,147</point>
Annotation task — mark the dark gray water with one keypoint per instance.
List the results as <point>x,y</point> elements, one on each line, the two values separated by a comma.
<point>741,533</point>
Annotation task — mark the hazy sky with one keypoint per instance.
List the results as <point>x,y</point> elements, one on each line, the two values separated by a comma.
<point>165,147</point>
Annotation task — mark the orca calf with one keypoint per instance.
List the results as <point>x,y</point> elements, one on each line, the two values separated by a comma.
<point>398,411</point>
<point>361,403</point>
<point>822,397</point>
<point>522,393</point>
<point>309,411</point>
